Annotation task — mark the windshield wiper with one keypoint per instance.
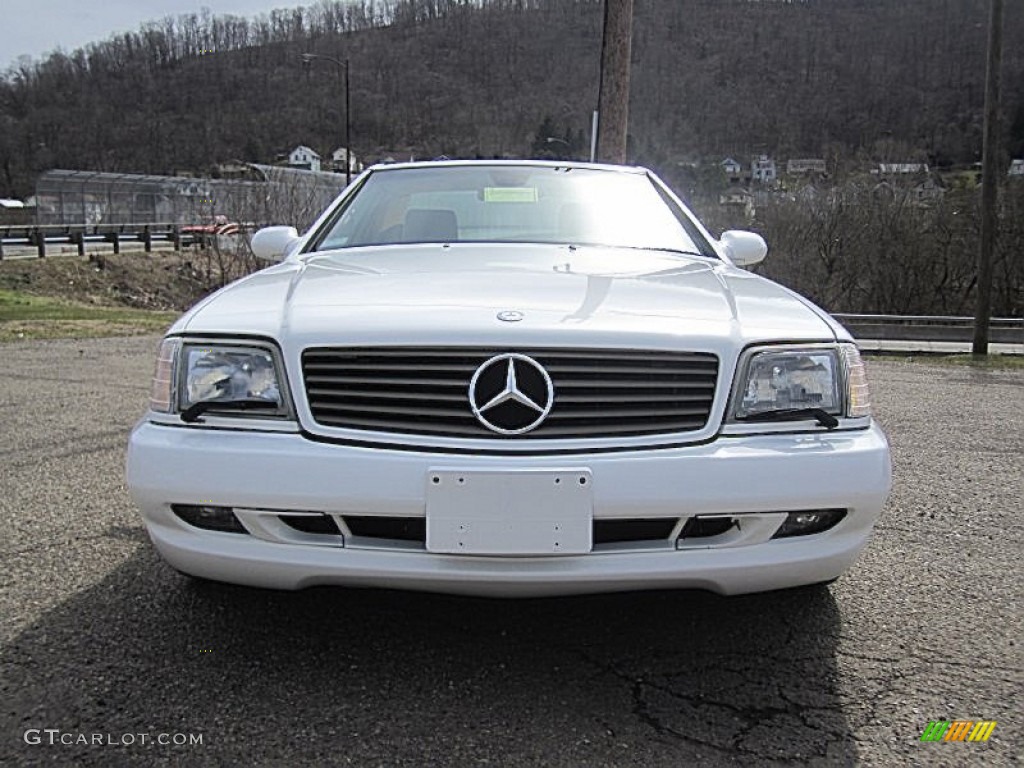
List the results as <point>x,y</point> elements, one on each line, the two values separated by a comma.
<point>658,249</point>
<point>677,251</point>
<point>194,411</point>
<point>826,420</point>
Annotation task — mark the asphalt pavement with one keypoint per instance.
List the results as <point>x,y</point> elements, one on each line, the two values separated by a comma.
<point>106,652</point>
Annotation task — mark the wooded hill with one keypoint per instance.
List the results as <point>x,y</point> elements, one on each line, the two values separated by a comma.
<point>885,79</point>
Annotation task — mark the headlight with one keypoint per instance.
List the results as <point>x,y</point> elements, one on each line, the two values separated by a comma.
<point>193,378</point>
<point>792,383</point>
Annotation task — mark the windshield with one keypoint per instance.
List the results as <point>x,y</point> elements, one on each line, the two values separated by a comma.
<point>511,204</point>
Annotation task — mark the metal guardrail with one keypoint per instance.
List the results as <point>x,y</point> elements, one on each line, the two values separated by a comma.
<point>38,235</point>
<point>1002,330</point>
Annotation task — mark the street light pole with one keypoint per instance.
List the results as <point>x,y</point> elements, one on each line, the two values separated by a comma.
<point>348,131</point>
<point>307,61</point>
<point>989,180</point>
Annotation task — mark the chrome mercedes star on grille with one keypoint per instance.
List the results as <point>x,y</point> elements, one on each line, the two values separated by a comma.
<point>511,394</point>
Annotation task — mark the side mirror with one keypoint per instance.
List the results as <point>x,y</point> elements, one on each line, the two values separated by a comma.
<point>744,248</point>
<point>274,243</point>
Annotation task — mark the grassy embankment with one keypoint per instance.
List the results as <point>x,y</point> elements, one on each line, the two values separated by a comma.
<point>24,316</point>
<point>99,295</point>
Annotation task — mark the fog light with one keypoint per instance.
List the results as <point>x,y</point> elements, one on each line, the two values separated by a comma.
<point>811,521</point>
<point>209,518</point>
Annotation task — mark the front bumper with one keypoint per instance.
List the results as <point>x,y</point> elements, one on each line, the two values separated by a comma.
<point>749,475</point>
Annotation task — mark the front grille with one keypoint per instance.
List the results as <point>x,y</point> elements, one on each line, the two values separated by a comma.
<point>425,390</point>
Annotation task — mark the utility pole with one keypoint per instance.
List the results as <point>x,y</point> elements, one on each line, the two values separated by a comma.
<point>307,62</point>
<point>613,101</point>
<point>989,181</point>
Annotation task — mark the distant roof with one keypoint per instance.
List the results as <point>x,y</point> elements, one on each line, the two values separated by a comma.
<point>9,203</point>
<point>49,180</point>
<point>108,178</point>
<point>903,167</point>
<point>282,172</point>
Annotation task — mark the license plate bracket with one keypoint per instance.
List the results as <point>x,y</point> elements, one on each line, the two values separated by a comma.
<point>531,512</point>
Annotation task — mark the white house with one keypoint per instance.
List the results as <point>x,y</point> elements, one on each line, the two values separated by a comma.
<point>738,197</point>
<point>304,157</point>
<point>763,169</point>
<point>731,167</point>
<point>806,165</point>
<point>340,156</point>
<point>1016,167</point>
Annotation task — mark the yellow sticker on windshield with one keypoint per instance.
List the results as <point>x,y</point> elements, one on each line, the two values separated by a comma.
<point>510,194</point>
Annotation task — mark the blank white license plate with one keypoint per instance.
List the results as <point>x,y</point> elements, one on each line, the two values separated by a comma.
<point>525,512</point>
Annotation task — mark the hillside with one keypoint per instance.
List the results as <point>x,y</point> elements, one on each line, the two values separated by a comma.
<point>838,78</point>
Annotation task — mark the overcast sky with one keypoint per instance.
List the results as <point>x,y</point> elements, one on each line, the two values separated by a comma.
<point>36,27</point>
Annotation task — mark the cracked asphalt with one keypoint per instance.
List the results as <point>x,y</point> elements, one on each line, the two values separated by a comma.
<point>99,638</point>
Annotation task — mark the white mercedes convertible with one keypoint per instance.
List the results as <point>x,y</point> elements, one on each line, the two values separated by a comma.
<point>509,379</point>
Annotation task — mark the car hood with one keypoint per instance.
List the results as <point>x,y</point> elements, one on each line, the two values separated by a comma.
<point>438,294</point>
